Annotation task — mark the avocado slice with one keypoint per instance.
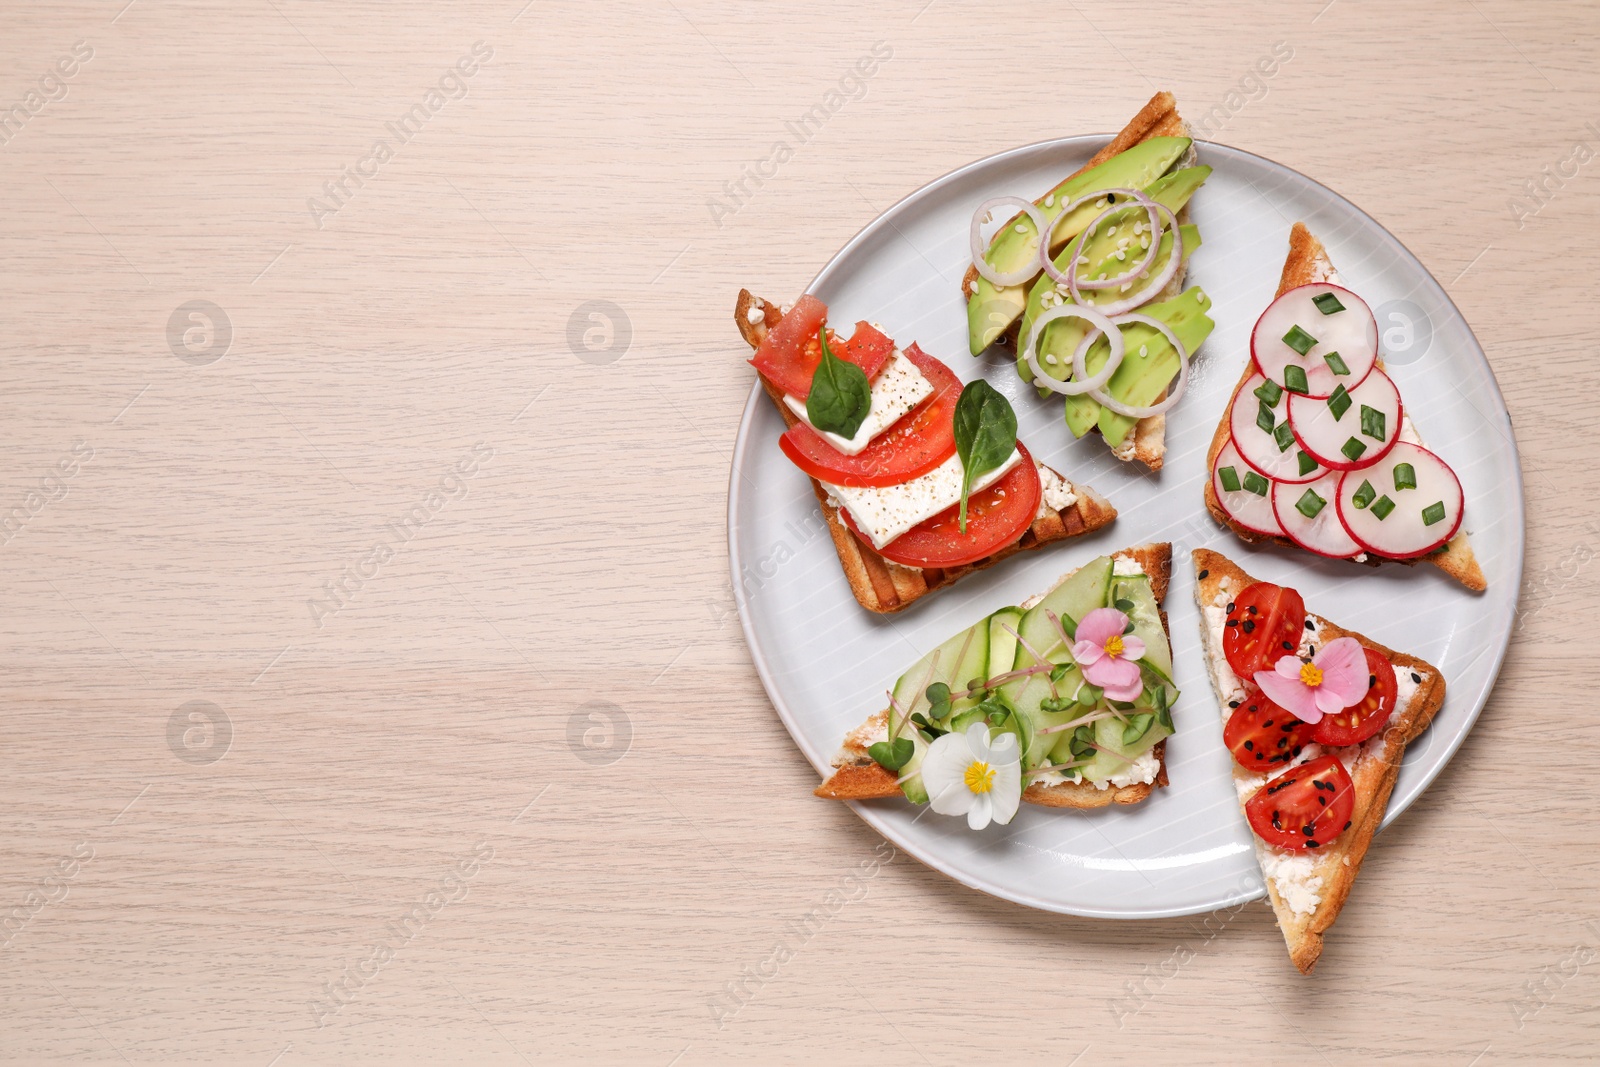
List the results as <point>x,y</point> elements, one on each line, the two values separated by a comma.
<point>1141,379</point>
<point>992,309</point>
<point>1172,191</point>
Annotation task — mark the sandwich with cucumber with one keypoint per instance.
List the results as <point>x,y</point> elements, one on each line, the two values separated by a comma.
<point>1064,701</point>
<point>921,479</point>
<point>1096,307</point>
<point>1317,718</point>
<point>1316,449</point>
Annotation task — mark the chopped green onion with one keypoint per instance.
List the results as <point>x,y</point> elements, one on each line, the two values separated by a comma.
<point>1284,436</point>
<point>1229,479</point>
<point>1405,476</point>
<point>1433,513</point>
<point>1256,484</point>
<point>1307,464</point>
<point>1336,363</point>
<point>1327,303</point>
<point>1352,449</point>
<point>1299,340</point>
<point>1373,423</point>
<point>1364,495</point>
<point>1310,503</point>
<point>1339,403</point>
<point>1294,379</point>
<point>1269,393</point>
<point>1265,418</point>
<point>1383,507</point>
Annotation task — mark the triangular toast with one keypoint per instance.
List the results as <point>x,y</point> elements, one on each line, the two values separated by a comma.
<point>1373,770</point>
<point>857,776</point>
<point>879,584</point>
<point>1158,118</point>
<point>1308,262</point>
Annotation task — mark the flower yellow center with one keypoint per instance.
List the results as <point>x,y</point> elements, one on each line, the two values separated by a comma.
<point>1114,646</point>
<point>1311,674</point>
<point>979,776</point>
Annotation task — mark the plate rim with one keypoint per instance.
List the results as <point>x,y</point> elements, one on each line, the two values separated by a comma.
<point>878,821</point>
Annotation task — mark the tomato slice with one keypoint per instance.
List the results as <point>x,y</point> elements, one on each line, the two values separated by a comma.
<point>790,352</point>
<point>996,517</point>
<point>1365,718</point>
<point>1264,623</point>
<point>1262,736</point>
<point>919,442</point>
<point>1304,808</point>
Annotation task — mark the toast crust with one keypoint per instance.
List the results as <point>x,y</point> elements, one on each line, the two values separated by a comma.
<point>1308,262</point>
<point>1374,775</point>
<point>886,587</point>
<point>1158,118</point>
<point>857,776</point>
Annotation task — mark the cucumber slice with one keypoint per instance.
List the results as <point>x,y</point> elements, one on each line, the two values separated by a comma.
<point>1108,735</point>
<point>1002,642</point>
<point>1031,717</point>
<point>960,659</point>
<point>1080,593</point>
<point>912,786</point>
<point>1145,614</point>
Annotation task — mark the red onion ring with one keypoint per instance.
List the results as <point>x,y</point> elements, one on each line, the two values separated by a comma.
<point>975,238</point>
<point>1177,390</point>
<point>1101,323</point>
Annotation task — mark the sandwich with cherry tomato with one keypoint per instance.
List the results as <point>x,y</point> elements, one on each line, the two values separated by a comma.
<point>1316,449</point>
<point>1064,701</point>
<point>1317,719</point>
<point>922,480</point>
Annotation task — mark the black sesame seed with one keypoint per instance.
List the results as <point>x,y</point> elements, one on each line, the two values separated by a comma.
<point>1311,626</point>
<point>1251,609</point>
<point>1230,607</point>
<point>1347,826</point>
<point>1286,727</point>
<point>1250,746</point>
<point>1416,678</point>
<point>1322,800</point>
<point>1249,626</point>
<point>1204,575</point>
<point>1313,844</point>
<point>1311,650</point>
<point>1277,823</point>
<point>1233,703</point>
<point>1309,831</point>
<point>1266,724</point>
<point>1282,741</point>
<point>1233,622</point>
<point>1372,680</point>
<point>1287,647</point>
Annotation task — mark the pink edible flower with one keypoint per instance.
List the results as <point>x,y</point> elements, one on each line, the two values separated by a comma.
<point>1107,656</point>
<point>1334,679</point>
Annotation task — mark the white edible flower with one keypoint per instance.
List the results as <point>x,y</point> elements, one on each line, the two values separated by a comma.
<point>967,775</point>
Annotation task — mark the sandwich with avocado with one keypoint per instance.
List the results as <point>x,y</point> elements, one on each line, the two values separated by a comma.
<point>1097,311</point>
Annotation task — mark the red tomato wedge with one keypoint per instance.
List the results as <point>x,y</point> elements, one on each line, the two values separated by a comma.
<point>790,352</point>
<point>996,518</point>
<point>1304,808</point>
<point>1365,717</point>
<point>910,448</point>
<point>1262,736</point>
<point>1264,624</point>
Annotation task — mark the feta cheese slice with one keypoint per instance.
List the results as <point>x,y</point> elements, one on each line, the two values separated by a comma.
<point>898,388</point>
<point>885,513</point>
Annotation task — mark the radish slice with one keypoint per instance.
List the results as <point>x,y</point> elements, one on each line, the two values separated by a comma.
<point>1345,338</point>
<point>1385,515</point>
<point>1310,518</point>
<point>1366,426</point>
<point>1273,452</point>
<point>1250,504</point>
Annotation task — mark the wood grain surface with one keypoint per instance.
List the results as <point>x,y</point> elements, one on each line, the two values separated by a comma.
<point>373,689</point>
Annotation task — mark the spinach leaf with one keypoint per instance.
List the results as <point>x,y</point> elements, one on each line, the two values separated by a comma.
<point>840,396</point>
<point>986,434</point>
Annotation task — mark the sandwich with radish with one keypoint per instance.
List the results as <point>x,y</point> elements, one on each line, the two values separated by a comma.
<point>1087,280</point>
<point>1317,719</point>
<point>1317,449</point>
<point>921,479</point>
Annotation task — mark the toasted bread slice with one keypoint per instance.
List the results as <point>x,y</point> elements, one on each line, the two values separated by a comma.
<point>1308,262</point>
<point>1158,118</point>
<point>879,584</point>
<point>857,776</point>
<point>1307,905</point>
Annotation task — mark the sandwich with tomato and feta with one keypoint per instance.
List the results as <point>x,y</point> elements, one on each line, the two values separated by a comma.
<point>1064,701</point>
<point>1097,307</point>
<point>922,480</point>
<point>1316,448</point>
<point>1317,719</point>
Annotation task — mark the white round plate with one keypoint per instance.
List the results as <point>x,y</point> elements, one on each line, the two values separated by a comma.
<point>826,662</point>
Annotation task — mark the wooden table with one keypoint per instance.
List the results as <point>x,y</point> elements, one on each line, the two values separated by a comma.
<point>369,658</point>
